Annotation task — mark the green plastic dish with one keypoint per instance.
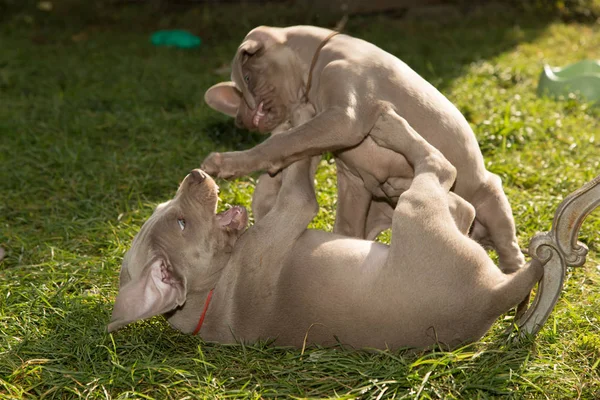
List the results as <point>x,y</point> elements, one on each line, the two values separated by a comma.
<point>582,78</point>
<point>175,38</point>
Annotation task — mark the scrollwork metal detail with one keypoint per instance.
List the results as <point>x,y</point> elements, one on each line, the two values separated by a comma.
<point>556,250</point>
<point>541,246</point>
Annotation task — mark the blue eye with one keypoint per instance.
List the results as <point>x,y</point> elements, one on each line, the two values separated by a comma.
<point>247,78</point>
<point>181,223</point>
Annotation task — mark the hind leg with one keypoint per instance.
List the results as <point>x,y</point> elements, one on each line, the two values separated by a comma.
<point>462,212</point>
<point>380,214</point>
<point>422,216</point>
<point>353,201</point>
<point>495,225</point>
<point>379,218</point>
<point>395,133</point>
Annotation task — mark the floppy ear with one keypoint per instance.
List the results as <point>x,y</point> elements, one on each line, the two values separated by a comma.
<point>155,292</point>
<point>247,49</point>
<point>224,97</point>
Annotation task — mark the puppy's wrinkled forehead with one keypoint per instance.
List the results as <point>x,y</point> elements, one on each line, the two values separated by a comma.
<point>256,43</point>
<point>195,201</point>
<point>156,224</point>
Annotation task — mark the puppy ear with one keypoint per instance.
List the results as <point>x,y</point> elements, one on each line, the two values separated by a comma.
<point>155,292</point>
<point>246,50</point>
<point>224,97</point>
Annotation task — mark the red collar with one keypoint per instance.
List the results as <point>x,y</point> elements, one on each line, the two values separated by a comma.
<point>201,321</point>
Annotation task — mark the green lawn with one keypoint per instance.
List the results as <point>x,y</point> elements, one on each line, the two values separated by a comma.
<point>97,127</point>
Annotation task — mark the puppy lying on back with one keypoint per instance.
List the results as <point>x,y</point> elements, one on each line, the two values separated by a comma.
<point>208,274</point>
<point>352,85</point>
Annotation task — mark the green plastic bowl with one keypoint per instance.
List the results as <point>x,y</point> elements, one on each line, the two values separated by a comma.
<point>582,78</point>
<point>175,38</point>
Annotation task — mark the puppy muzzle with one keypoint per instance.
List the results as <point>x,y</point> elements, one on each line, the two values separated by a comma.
<point>198,175</point>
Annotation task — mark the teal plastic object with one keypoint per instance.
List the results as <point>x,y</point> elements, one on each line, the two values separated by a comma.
<point>175,38</point>
<point>582,78</point>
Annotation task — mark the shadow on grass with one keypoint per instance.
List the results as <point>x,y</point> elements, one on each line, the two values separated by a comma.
<point>109,120</point>
<point>438,46</point>
<point>227,135</point>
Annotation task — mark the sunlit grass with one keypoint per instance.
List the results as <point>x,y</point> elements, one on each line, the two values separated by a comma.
<point>96,131</point>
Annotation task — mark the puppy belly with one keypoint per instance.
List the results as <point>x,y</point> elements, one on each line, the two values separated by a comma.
<point>388,190</point>
<point>385,173</point>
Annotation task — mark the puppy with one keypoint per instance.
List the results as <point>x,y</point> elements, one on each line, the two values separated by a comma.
<point>352,84</point>
<point>208,274</point>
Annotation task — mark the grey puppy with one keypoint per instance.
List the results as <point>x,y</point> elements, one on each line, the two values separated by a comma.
<point>279,280</point>
<point>352,86</point>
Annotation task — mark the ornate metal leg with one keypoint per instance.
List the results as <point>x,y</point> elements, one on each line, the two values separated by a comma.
<point>556,250</point>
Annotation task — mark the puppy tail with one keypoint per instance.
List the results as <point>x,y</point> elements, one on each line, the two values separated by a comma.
<point>516,287</point>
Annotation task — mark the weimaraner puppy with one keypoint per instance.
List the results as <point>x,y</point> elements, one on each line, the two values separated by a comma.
<point>351,84</point>
<point>278,280</point>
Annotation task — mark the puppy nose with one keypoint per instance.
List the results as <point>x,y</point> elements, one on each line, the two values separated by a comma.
<point>198,175</point>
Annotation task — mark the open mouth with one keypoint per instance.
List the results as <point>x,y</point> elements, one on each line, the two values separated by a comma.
<point>235,218</point>
<point>258,114</point>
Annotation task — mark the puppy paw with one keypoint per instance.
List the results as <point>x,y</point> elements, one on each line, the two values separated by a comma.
<point>445,171</point>
<point>219,165</point>
<point>212,164</point>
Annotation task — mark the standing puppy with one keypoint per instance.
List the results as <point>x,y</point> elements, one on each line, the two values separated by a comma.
<point>279,280</point>
<point>352,84</point>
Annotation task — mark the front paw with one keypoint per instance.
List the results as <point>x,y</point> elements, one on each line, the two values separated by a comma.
<point>219,165</point>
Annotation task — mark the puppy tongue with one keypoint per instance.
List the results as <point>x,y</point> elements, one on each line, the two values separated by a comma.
<point>259,114</point>
<point>235,218</point>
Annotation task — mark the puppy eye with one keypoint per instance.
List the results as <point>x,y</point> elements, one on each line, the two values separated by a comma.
<point>181,223</point>
<point>247,78</point>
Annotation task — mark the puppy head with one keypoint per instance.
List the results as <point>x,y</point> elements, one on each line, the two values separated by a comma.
<point>177,249</point>
<point>266,78</point>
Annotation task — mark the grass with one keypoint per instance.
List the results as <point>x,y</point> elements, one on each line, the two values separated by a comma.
<point>97,127</point>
